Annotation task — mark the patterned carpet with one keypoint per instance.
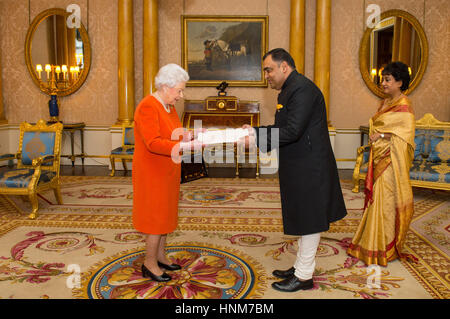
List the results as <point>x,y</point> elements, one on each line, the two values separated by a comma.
<point>229,241</point>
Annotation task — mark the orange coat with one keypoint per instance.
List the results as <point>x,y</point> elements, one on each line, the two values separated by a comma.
<point>156,177</point>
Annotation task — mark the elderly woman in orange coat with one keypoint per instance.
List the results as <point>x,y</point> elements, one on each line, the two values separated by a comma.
<point>159,138</point>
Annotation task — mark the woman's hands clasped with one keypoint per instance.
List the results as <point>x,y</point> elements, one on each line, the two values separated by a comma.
<point>376,136</point>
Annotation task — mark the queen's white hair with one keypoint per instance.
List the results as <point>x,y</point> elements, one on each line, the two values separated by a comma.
<point>170,75</point>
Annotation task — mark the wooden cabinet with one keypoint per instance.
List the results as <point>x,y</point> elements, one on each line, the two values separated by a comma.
<point>229,115</point>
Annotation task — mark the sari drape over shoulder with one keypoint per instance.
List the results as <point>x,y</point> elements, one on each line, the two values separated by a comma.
<point>389,199</point>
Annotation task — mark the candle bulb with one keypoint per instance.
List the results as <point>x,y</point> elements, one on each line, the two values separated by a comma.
<point>48,68</point>
<point>71,72</point>
<point>39,70</point>
<point>64,70</point>
<point>374,74</point>
<point>79,58</point>
<point>58,71</point>
<point>77,71</point>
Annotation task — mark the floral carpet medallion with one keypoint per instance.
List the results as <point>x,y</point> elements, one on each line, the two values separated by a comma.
<point>228,241</point>
<point>228,196</point>
<point>207,273</point>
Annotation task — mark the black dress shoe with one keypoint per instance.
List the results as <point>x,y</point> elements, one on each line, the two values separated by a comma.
<point>171,267</point>
<point>292,284</point>
<point>148,274</point>
<point>283,274</point>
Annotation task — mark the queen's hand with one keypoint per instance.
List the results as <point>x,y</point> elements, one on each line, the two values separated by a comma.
<point>188,136</point>
<point>199,130</point>
<point>191,145</point>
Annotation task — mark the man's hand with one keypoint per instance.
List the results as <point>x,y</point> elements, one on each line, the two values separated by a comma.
<point>247,141</point>
<point>251,130</point>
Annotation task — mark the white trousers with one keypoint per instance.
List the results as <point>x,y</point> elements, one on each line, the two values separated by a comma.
<point>306,256</point>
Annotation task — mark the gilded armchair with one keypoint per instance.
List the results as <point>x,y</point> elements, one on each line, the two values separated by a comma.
<point>38,162</point>
<point>125,152</point>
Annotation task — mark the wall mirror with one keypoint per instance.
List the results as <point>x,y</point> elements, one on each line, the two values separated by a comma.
<point>58,57</point>
<point>397,37</point>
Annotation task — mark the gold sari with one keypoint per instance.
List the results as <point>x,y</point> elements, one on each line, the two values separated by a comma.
<point>389,200</point>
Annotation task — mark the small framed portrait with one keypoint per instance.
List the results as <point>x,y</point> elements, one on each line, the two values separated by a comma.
<point>224,48</point>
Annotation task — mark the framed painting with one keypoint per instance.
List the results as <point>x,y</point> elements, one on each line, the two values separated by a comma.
<point>224,48</point>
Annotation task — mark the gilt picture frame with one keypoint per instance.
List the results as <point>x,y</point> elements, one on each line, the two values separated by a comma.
<point>224,48</point>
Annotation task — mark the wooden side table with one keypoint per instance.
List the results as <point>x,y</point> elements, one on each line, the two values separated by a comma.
<point>72,128</point>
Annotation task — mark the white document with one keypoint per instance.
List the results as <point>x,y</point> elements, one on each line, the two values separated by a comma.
<point>228,135</point>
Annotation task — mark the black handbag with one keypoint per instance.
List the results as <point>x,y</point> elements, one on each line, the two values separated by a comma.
<point>192,167</point>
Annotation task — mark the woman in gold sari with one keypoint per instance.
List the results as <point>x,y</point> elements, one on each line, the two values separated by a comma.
<point>389,200</point>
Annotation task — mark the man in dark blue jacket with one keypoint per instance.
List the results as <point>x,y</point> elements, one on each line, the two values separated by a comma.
<point>311,195</point>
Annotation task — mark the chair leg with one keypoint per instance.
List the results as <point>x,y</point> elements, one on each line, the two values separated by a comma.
<point>355,186</point>
<point>237,160</point>
<point>34,205</point>
<point>257,164</point>
<point>113,166</point>
<point>124,163</point>
<point>57,192</point>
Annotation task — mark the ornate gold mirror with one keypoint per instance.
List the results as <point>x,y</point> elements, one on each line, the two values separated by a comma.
<point>397,37</point>
<point>58,57</point>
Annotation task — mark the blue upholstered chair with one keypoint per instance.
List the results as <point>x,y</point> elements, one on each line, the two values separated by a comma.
<point>38,160</point>
<point>125,152</point>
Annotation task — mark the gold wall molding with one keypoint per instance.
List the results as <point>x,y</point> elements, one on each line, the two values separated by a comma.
<point>126,62</point>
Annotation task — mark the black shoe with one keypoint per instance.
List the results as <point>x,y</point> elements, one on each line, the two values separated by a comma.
<point>283,274</point>
<point>293,284</point>
<point>171,267</point>
<point>148,274</point>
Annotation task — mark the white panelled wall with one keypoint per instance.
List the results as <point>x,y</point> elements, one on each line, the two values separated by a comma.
<point>100,140</point>
<point>345,147</point>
